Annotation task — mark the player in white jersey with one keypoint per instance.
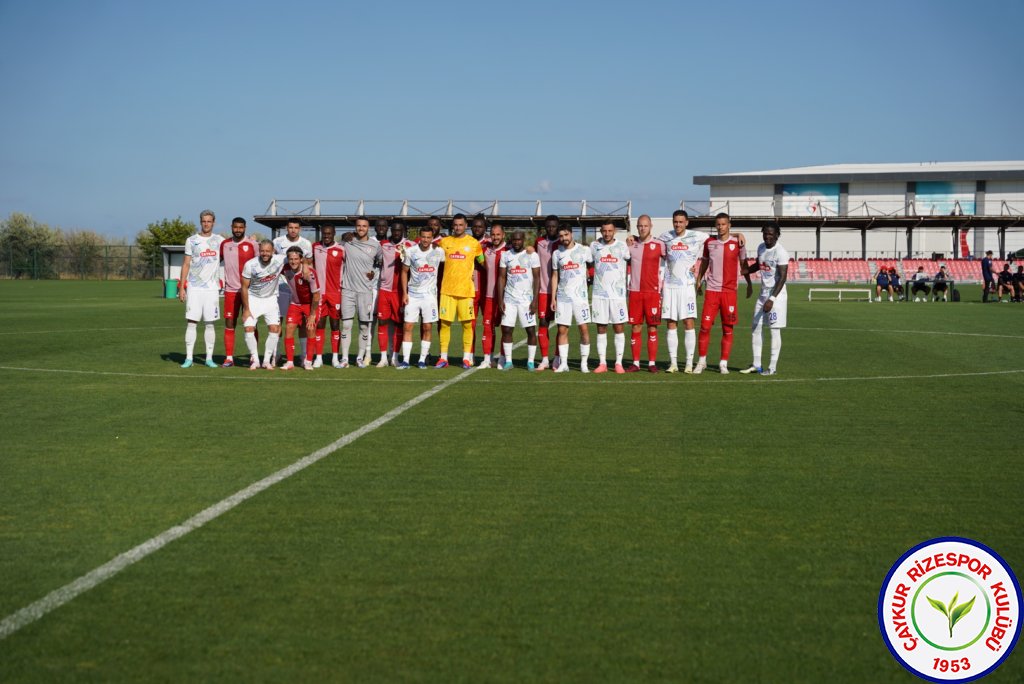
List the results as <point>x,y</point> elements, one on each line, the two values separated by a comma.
<point>292,238</point>
<point>420,266</point>
<point>569,283</point>
<point>771,307</point>
<point>517,295</point>
<point>199,286</point>
<point>683,249</point>
<point>611,257</point>
<point>259,298</point>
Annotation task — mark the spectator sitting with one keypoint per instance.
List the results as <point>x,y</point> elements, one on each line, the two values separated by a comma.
<point>940,284</point>
<point>920,280</point>
<point>1005,284</point>
<point>1018,282</point>
<point>882,283</point>
<point>895,285</point>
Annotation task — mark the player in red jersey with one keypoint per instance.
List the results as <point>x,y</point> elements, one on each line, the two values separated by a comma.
<point>546,245</point>
<point>645,257</point>
<point>494,247</point>
<point>390,316</point>
<point>329,262</point>
<point>233,254</point>
<point>304,305</point>
<point>721,262</point>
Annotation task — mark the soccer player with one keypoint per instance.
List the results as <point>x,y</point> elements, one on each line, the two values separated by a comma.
<point>291,238</point>
<point>305,288</point>
<point>199,286</point>
<point>771,307</point>
<point>461,252</point>
<point>329,261</point>
<point>480,229</point>
<point>363,261</point>
<point>720,261</point>
<point>569,281</point>
<point>611,260</point>
<point>420,266</point>
<point>493,248</point>
<point>683,248</point>
<point>518,290</point>
<point>234,254</point>
<point>545,246</point>
<point>645,260</point>
<point>389,306</point>
<point>259,299</point>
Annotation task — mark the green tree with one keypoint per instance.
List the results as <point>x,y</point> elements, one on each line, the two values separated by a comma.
<point>83,250</point>
<point>29,248</point>
<point>166,232</point>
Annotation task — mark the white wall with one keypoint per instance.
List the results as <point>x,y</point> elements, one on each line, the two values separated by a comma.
<point>743,200</point>
<point>881,198</point>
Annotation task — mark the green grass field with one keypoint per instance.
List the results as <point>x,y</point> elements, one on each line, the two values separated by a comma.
<point>591,528</point>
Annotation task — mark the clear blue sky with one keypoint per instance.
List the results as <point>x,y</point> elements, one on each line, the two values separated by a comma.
<point>115,114</point>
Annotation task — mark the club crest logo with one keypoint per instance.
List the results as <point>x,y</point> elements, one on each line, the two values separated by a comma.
<point>949,610</point>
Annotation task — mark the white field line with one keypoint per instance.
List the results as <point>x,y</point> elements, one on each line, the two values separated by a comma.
<point>78,330</point>
<point>259,376</point>
<point>58,597</point>
<point>711,378</point>
<point>910,332</point>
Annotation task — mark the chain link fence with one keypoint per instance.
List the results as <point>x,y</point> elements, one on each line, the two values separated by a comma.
<point>99,262</point>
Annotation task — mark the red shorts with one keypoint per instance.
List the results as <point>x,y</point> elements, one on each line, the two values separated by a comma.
<point>488,312</point>
<point>297,313</point>
<point>644,306</point>
<point>544,311</point>
<point>329,308</point>
<point>389,308</point>
<point>716,303</point>
<point>232,305</point>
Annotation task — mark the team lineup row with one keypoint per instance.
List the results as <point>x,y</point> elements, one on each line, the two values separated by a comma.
<point>393,283</point>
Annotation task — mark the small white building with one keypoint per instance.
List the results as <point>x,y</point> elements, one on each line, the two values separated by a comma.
<point>956,209</point>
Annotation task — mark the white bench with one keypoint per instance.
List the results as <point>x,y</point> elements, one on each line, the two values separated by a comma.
<point>864,292</point>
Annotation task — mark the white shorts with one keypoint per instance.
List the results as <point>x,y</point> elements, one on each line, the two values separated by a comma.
<point>263,306</point>
<point>679,303</point>
<point>202,305</point>
<point>421,307</point>
<point>776,318</point>
<point>612,311</point>
<point>284,299</point>
<point>572,308</point>
<point>520,312</point>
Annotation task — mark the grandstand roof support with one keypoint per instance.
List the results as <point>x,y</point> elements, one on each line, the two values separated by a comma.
<point>817,242</point>
<point>956,242</point>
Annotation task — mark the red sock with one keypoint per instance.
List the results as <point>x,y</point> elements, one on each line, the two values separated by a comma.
<point>726,341</point>
<point>542,335</point>
<point>652,346</point>
<point>312,344</point>
<point>488,337</point>
<point>335,341</point>
<point>634,345</point>
<point>703,337</point>
<point>396,340</point>
<point>289,348</point>
<point>229,341</point>
<point>319,342</point>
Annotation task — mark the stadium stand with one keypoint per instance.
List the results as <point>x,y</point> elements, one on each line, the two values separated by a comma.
<point>863,270</point>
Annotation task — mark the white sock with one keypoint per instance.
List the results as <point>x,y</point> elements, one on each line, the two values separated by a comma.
<point>620,347</point>
<point>424,349</point>
<point>755,344</point>
<point>190,339</point>
<point>776,347</point>
<point>690,341</point>
<point>531,352</point>
<point>271,347</point>
<point>250,343</point>
<point>703,360</point>
<point>210,337</point>
<point>563,354</point>
<point>346,338</point>
<point>584,354</point>
<point>506,348</point>
<point>487,358</point>
<point>406,350</point>
<point>673,345</point>
<point>364,340</point>
<point>602,348</point>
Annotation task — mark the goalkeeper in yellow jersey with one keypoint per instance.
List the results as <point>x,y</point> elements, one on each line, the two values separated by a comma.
<point>461,254</point>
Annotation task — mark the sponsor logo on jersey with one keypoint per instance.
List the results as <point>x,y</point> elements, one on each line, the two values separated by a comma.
<point>208,253</point>
<point>425,268</point>
<point>570,266</point>
<point>457,255</point>
<point>609,259</point>
<point>517,270</point>
<point>680,246</point>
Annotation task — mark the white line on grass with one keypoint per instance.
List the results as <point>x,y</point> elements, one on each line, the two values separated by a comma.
<point>910,332</point>
<point>58,597</point>
<point>710,376</point>
<point>78,330</point>
<point>261,376</point>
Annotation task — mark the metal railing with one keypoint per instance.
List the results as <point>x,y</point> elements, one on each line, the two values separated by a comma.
<point>106,262</point>
<point>829,209</point>
<point>448,207</point>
